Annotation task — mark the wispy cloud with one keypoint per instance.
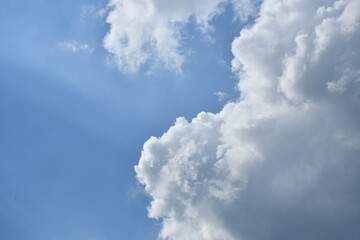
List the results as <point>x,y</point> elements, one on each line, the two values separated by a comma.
<point>86,11</point>
<point>74,46</point>
<point>221,95</point>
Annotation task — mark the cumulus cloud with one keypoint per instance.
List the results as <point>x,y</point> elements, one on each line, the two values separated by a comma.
<point>282,162</point>
<point>74,46</point>
<point>151,29</point>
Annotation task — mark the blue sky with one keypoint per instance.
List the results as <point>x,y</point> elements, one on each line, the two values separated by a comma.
<point>268,147</point>
<point>72,126</point>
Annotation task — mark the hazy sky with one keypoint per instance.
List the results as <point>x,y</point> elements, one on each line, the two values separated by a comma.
<point>254,107</point>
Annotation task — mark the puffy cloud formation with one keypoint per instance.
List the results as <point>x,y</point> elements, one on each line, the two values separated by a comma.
<point>283,161</point>
<point>151,29</point>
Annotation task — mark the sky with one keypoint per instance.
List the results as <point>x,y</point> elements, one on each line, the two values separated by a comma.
<point>199,120</point>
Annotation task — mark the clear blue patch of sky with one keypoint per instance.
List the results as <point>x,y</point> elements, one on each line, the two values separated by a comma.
<point>72,128</point>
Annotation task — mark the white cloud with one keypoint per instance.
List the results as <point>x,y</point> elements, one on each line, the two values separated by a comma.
<point>151,29</point>
<point>221,96</point>
<point>74,46</point>
<point>283,161</point>
<point>87,11</point>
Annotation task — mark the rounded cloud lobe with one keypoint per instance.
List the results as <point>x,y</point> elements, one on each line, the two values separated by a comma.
<point>283,161</point>
<point>144,30</point>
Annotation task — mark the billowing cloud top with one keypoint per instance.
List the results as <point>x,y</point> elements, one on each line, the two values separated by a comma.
<point>151,29</point>
<point>283,161</point>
